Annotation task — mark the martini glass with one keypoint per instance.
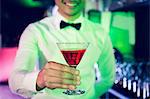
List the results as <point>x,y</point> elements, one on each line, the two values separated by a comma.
<point>73,53</point>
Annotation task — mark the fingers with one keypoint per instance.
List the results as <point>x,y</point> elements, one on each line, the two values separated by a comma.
<point>61,67</point>
<point>61,74</point>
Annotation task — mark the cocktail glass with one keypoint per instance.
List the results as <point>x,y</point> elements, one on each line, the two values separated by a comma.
<point>73,53</point>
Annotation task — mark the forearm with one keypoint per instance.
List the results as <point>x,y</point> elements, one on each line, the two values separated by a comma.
<point>23,77</point>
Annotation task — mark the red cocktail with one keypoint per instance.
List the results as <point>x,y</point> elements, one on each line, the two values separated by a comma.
<point>73,57</point>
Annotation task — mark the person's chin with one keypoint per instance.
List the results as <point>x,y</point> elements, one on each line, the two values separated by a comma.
<point>71,13</point>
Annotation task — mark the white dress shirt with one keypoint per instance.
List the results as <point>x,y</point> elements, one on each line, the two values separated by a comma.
<point>38,46</point>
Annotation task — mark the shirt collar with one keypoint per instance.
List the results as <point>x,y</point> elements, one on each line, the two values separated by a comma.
<point>58,18</point>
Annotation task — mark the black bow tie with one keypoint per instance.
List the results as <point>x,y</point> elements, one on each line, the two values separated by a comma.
<point>64,24</point>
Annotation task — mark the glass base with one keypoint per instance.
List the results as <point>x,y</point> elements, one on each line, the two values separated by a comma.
<point>74,92</point>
